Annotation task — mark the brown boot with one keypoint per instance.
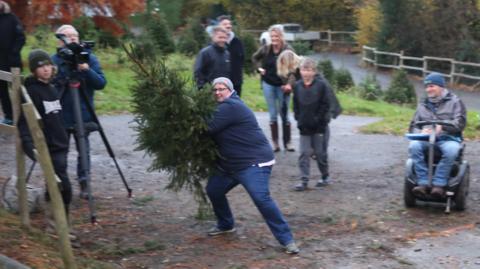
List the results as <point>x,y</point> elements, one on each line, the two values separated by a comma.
<point>287,137</point>
<point>420,190</point>
<point>437,192</point>
<point>274,130</point>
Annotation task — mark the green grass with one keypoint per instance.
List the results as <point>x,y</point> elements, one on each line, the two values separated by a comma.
<point>116,97</point>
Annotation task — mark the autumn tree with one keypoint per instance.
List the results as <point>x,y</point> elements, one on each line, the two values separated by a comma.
<point>369,20</point>
<point>38,12</point>
<point>400,28</point>
<point>455,31</point>
<point>319,14</point>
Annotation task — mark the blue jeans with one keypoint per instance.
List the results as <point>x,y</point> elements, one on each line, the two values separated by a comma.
<point>81,174</point>
<point>449,150</point>
<point>255,180</point>
<point>277,102</point>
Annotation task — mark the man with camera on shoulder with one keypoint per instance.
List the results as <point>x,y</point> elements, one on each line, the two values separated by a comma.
<point>75,60</point>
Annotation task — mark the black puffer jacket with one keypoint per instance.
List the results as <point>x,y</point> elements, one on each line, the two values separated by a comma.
<point>12,40</point>
<point>311,106</point>
<point>212,62</point>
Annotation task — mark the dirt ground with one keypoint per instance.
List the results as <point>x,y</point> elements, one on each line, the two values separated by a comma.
<point>359,221</point>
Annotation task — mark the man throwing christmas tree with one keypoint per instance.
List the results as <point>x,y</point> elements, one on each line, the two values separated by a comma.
<point>246,158</point>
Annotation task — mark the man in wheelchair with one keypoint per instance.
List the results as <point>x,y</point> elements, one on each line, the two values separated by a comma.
<point>443,105</point>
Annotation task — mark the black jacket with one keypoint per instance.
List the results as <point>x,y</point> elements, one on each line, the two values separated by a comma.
<point>212,62</point>
<point>45,99</point>
<point>12,40</point>
<point>311,106</point>
<point>267,59</point>
<point>237,58</point>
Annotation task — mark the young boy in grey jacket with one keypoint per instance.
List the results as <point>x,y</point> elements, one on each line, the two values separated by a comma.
<point>311,106</point>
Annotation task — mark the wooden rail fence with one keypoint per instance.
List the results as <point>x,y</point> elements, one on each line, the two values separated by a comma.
<point>457,68</point>
<point>17,93</point>
<point>329,36</point>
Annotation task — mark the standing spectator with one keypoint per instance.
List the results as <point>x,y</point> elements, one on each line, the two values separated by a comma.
<point>246,159</point>
<point>92,78</point>
<point>214,60</point>
<point>45,99</point>
<point>265,59</point>
<point>288,69</point>
<point>237,53</point>
<point>12,40</point>
<point>311,105</point>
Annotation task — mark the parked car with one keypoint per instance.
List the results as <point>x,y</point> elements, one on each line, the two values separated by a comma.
<point>292,32</point>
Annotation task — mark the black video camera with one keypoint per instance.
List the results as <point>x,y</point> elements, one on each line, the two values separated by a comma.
<point>74,53</point>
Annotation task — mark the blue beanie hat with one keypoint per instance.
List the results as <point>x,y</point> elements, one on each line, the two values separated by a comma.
<point>434,78</point>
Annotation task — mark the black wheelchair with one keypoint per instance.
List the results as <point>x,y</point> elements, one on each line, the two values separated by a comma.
<point>458,183</point>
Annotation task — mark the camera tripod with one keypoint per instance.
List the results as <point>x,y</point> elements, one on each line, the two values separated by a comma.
<point>76,88</point>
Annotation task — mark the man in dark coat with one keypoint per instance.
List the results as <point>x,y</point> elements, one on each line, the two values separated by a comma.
<point>92,78</point>
<point>237,53</point>
<point>12,40</point>
<point>214,60</point>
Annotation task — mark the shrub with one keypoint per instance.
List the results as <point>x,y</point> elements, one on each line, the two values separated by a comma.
<point>107,39</point>
<point>193,38</point>
<point>326,68</point>
<point>401,90</point>
<point>250,46</point>
<point>301,47</point>
<point>86,28</point>
<point>343,80</point>
<point>369,88</point>
<point>158,31</point>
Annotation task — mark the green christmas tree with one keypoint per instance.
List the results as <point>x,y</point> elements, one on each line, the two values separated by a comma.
<point>171,123</point>
<point>401,90</point>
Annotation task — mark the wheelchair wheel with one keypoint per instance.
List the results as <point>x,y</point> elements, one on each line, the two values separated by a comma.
<point>408,197</point>
<point>462,191</point>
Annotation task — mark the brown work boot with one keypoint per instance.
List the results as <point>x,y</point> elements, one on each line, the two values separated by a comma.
<point>274,131</point>
<point>420,190</point>
<point>437,191</point>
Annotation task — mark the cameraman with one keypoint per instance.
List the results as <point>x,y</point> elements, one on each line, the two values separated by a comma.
<point>91,76</point>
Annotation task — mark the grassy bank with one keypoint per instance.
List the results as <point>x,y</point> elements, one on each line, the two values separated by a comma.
<point>116,97</point>
<point>34,247</point>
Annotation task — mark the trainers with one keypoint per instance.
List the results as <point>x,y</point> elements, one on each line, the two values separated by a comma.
<point>301,186</point>
<point>291,248</point>
<point>217,231</point>
<point>323,182</point>
<point>7,121</point>
<point>420,190</point>
<point>437,191</point>
<point>289,147</point>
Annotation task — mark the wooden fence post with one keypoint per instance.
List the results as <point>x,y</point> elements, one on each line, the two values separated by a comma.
<point>400,65</point>
<point>375,59</point>
<point>15,96</point>
<point>425,66</point>
<point>452,71</point>
<point>329,37</point>
<point>43,157</point>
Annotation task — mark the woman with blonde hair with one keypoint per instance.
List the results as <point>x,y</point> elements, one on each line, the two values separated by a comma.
<point>265,60</point>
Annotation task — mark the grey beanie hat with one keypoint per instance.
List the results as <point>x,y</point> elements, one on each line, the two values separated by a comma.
<point>225,81</point>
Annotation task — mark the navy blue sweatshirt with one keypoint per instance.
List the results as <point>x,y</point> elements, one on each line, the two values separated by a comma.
<point>235,130</point>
